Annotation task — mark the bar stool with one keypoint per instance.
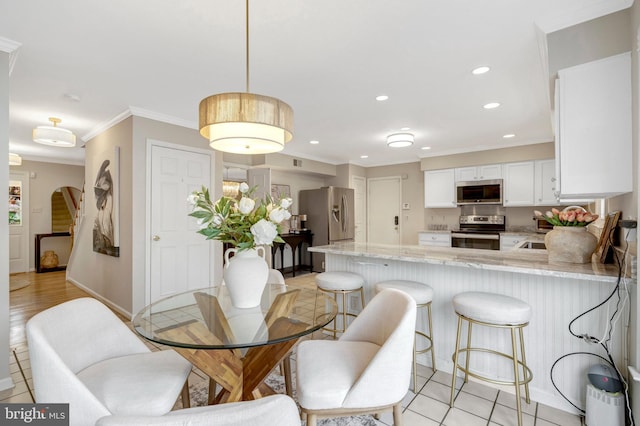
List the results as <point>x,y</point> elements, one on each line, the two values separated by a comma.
<point>500,311</point>
<point>422,294</point>
<point>344,283</point>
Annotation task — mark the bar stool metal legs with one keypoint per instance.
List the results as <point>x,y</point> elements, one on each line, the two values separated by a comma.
<point>429,339</point>
<point>522,373</point>
<point>345,308</point>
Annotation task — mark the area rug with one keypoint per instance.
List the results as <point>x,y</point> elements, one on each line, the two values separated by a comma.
<point>200,390</point>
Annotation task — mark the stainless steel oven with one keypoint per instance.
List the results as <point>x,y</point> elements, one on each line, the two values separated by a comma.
<point>479,232</point>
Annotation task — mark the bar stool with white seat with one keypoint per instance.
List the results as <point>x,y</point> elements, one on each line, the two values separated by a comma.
<point>500,311</point>
<point>343,283</point>
<point>422,294</point>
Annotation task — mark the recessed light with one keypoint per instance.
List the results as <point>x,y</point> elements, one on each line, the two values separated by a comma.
<point>426,147</point>
<point>509,135</point>
<point>314,142</point>
<point>480,70</point>
<point>491,105</point>
<point>382,97</point>
<point>364,156</point>
<point>404,129</point>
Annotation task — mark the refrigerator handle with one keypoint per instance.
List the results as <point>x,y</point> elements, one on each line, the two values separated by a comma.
<point>345,215</point>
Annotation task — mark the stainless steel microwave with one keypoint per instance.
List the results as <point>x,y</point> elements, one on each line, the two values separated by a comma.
<point>479,192</point>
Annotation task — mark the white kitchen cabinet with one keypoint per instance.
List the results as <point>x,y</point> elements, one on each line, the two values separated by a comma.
<point>488,171</point>
<point>518,188</point>
<point>438,239</point>
<point>593,128</point>
<point>439,188</point>
<point>507,242</point>
<point>545,183</point>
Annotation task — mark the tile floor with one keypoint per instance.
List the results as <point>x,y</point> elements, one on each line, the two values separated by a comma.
<point>475,404</point>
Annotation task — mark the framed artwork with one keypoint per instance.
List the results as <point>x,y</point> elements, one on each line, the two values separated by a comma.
<point>106,190</point>
<point>15,203</point>
<point>605,241</point>
<point>280,191</point>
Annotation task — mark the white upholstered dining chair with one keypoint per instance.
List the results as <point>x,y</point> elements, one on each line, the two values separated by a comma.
<point>367,370</point>
<point>277,410</point>
<point>81,353</point>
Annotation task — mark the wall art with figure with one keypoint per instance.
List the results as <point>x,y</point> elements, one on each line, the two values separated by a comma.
<point>106,238</point>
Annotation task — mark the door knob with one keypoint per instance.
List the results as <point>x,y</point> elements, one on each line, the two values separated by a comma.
<point>156,237</point>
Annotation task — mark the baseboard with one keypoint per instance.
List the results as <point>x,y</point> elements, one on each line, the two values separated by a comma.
<point>107,302</point>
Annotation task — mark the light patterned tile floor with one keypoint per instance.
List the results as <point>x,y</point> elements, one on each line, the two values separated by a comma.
<point>475,404</point>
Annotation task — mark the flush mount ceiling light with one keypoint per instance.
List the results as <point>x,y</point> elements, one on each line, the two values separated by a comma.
<point>245,123</point>
<point>54,135</point>
<point>400,140</point>
<point>15,160</point>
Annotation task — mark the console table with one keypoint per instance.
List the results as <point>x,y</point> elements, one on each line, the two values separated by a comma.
<point>39,238</point>
<point>294,241</point>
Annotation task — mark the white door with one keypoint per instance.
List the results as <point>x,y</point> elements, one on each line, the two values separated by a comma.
<point>180,257</point>
<point>383,197</point>
<point>359,185</point>
<point>18,222</point>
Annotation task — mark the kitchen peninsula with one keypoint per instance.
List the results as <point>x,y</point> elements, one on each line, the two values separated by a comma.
<point>556,293</point>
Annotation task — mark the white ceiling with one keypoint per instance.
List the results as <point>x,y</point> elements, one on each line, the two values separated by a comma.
<point>328,59</point>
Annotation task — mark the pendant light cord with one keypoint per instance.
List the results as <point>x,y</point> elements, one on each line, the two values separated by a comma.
<point>247,42</point>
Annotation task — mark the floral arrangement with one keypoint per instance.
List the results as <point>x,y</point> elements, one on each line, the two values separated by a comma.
<point>571,216</point>
<point>243,223</point>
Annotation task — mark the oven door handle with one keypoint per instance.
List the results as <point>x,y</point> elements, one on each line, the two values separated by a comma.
<point>476,236</point>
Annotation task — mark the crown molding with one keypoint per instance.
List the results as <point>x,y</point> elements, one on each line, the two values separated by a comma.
<point>102,127</point>
<point>164,118</point>
<point>583,13</point>
<point>11,47</point>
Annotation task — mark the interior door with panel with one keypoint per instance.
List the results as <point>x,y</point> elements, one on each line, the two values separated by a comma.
<point>384,198</point>
<point>18,222</point>
<point>180,257</point>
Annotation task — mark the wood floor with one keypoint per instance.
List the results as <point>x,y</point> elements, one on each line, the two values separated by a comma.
<point>44,291</point>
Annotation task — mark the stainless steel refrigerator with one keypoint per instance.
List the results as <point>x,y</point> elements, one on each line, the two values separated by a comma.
<point>330,217</point>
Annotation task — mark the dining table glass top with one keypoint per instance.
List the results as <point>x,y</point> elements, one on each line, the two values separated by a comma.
<point>206,319</point>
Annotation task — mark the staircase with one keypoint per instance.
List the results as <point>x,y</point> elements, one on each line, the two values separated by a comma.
<point>60,217</point>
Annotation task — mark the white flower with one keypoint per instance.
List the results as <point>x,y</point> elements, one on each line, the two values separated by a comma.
<point>264,232</point>
<point>217,219</point>
<point>285,203</point>
<point>246,205</point>
<point>202,224</point>
<point>192,199</point>
<point>244,188</point>
<point>278,214</point>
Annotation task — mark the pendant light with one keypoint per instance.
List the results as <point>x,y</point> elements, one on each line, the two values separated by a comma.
<point>243,122</point>
<point>15,160</point>
<point>54,135</point>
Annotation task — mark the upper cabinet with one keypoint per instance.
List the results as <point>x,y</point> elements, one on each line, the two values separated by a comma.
<point>439,188</point>
<point>593,129</point>
<point>518,188</point>
<point>489,171</point>
<point>545,183</point>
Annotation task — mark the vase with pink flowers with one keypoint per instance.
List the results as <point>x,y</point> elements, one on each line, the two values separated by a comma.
<point>569,241</point>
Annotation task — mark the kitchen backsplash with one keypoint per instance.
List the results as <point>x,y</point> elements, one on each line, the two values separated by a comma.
<point>518,219</point>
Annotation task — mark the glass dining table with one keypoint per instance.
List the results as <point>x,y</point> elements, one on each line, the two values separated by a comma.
<point>236,348</point>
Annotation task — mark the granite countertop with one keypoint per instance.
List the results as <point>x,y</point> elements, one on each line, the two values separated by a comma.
<point>526,261</point>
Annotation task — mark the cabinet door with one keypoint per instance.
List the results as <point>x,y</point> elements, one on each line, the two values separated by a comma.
<point>593,128</point>
<point>507,242</point>
<point>439,188</point>
<point>434,239</point>
<point>465,174</point>
<point>545,185</point>
<point>518,184</point>
<point>490,171</point>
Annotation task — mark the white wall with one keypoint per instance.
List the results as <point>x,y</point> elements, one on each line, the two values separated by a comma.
<point>5,378</point>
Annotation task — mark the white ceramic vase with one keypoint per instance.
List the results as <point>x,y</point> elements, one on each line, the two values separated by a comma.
<point>570,244</point>
<point>245,275</point>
